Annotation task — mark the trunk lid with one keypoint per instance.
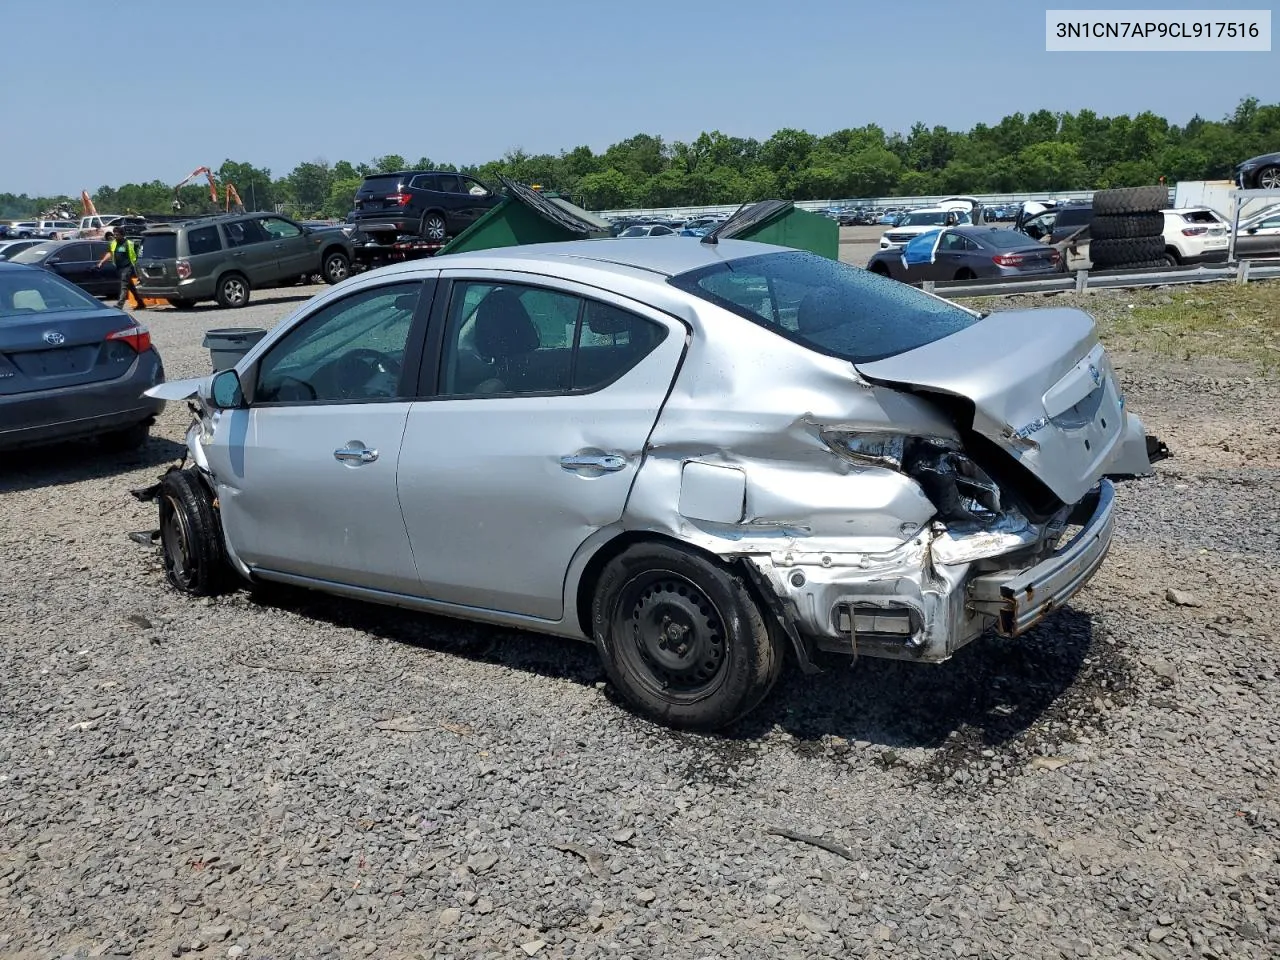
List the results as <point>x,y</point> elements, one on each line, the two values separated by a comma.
<point>63,349</point>
<point>1041,385</point>
<point>374,191</point>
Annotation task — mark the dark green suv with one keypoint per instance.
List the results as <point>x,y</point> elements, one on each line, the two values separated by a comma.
<point>223,258</point>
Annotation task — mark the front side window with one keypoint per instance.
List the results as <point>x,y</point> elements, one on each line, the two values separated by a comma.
<point>241,233</point>
<point>830,307</point>
<point>279,229</point>
<point>448,183</point>
<point>511,339</point>
<point>352,350</point>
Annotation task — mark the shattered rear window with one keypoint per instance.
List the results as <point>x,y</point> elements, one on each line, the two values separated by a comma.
<point>826,305</point>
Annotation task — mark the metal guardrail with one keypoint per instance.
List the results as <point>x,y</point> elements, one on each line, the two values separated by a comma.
<point>1083,280</point>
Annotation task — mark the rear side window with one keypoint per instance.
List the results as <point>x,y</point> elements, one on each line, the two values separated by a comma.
<point>203,240</point>
<point>1074,217</point>
<point>825,305</point>
<point>159,246</point>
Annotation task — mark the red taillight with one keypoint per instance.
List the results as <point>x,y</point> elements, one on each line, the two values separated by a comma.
<point>137,336</point>
<point>1194,231</point>
<point>184,269</point>
<point>1055,257</point>
<point>402,199</point>
<point>1008,259</point>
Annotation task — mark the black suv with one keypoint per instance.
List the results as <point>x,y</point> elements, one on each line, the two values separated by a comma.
<point>433,204</point>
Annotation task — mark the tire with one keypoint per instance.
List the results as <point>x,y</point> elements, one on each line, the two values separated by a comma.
<point>1123,226</point>
<point>880,268</point>
<point>1171,259</point>
<point>720,665</point>
<point>1130,200</point>
<point>191,544</point>
<point>182,304</point>
<point>130,438</point>
<point>433,227</point>
<point>233,291</point>
<point>966,274</point>
<point>1268,178</point>
<point>337,267</point>
<point>1107,254</point>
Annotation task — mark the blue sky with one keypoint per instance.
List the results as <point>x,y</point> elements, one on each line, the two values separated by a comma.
<point>276,82</point>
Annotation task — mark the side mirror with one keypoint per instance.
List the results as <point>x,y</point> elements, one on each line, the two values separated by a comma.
<point>1252,230</point>
<point>225,392</point>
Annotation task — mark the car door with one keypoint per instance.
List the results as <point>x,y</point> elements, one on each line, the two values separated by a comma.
<point>545,396</point>
<point>71,262</point>
<point>476,205</point>
<point>294,251</point>
<point>1262,239</point>
<point>306,474</point>
<point>251,250</point>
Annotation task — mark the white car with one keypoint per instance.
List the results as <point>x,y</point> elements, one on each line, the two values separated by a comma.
<point>94,226</point>
<point>920,221</point>
<point>1195,235</point>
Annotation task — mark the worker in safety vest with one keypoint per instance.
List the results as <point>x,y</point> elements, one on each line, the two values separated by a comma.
<point>125,254</point>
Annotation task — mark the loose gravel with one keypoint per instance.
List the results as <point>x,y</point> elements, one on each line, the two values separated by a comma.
<point>290,775</point>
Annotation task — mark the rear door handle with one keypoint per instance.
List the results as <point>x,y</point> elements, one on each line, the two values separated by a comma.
<point>607,462</point>
<point>355,455</point>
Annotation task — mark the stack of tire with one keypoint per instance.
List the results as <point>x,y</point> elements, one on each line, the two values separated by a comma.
<point>1127,229</point>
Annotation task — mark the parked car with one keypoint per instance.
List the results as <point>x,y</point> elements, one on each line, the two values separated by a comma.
<point>76,261</point>
<point>603,455</point>
<point>23,229</point>
<point>94,227</point>
<point>1259,236</point>
<point>647,230</point>
<point>1195,235</point>
<point>433,204</point>
<point>54,229</point>
<point>10,247</point>
<point>968,253</point>
<point>920,221</point>
<point>224,258</point>
<point>1259,173</point>
<point>70,366</point>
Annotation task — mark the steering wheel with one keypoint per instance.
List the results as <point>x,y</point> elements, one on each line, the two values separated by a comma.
<point>356,368</point>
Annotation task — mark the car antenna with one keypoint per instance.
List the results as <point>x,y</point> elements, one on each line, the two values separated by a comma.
<point>712,237</point>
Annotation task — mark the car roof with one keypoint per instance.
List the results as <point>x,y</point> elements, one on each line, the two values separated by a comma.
<point>666,258</point>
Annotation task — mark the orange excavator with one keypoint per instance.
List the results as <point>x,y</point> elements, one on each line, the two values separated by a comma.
<point>228,191</point>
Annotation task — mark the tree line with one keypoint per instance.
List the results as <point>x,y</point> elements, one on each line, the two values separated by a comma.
<point>1022,153</point>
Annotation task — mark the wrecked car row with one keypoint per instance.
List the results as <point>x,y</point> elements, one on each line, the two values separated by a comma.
<point>694,455</point>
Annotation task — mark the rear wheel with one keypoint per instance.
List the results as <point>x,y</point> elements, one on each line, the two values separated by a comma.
<point>966,274</point>
<point>434,227</point>
<point>233,291</point>
<point>1171,258</point>
<point>880,268</point>
<point>191,545</point>
<point>681,637</point>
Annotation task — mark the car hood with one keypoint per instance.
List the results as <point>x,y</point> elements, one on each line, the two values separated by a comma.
<point>1041,387</point>
<point>1255,161</point>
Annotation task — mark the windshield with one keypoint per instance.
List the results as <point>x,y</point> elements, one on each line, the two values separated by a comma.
<point>24,293</point>
<point>923,218</point>
<point>34,254</point>
<point>825,305</point>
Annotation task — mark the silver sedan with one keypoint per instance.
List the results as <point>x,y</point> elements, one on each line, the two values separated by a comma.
<point>697,456</point>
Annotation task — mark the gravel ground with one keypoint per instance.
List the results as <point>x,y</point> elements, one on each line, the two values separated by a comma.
<point>288,775</point>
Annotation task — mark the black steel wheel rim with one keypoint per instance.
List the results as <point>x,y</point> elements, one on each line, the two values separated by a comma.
<point>175,540</point>
<point>671,636</point>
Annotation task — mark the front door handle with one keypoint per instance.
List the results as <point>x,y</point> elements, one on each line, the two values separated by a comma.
<point>355,455</point>
<point>610,463</point>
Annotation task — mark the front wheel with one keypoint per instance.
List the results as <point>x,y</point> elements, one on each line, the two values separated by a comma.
<point>336,267</point>
<point>434,227</point>
<point>191,544</point>
<point>1269,178</point>
<point>682,638</point>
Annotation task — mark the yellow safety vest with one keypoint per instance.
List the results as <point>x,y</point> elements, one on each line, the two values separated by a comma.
<point>133,252</point>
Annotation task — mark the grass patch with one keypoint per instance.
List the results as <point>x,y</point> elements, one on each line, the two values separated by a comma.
<point>1228,321</point>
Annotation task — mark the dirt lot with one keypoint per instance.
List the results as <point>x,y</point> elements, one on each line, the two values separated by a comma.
<point>221,779</point>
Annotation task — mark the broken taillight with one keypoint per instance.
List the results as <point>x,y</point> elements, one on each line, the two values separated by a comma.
<point>1055,257</point>
<point>1007,260</point>
<point>184,269</point>
<point>137,336</point>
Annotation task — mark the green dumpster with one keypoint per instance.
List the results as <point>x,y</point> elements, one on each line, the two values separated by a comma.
<point>781,222</point>
<point>527,216</point>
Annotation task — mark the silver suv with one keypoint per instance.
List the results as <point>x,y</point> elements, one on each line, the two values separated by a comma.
<point>224,258</point>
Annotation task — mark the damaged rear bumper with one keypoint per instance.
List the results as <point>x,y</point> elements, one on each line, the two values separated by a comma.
<point>907,604</point>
